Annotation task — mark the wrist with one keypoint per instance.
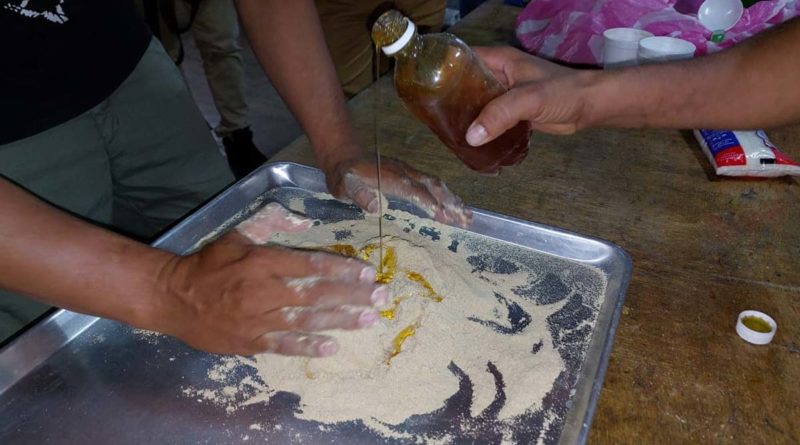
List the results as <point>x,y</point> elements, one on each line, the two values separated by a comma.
<point>598,99</point>
<point>636,97</point>
<point>334,141</point>
<point>331,157</point>
<point>147,292</point>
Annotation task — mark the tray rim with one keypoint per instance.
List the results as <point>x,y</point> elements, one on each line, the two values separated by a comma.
<point>45,338</point>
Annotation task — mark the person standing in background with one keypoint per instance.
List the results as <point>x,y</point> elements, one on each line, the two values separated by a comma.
<point>214,24</point>
<point>347,23</point>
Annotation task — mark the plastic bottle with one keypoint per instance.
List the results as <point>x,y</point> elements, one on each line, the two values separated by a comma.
<point>445,85</point>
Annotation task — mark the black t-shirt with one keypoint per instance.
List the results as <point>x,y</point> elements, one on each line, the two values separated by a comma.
<point>59,58</point>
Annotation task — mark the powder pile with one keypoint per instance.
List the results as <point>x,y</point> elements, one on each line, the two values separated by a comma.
<point>450,315</point>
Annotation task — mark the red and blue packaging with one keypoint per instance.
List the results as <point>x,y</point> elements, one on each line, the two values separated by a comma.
<point>745,153</point>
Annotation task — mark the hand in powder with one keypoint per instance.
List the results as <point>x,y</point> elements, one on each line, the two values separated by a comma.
<point>357,179</point>
<point>271,219</point>
<point>235,297</point>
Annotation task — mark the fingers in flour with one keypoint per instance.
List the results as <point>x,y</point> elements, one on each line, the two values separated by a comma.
<point>322,265</point>
<point>272,218</point>
<point>327,293</point>
<point>296,343</point>
<point>313,319</point>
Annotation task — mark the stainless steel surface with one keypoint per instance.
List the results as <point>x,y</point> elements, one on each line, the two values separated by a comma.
<point>28,351</point>
<point>99,381</point>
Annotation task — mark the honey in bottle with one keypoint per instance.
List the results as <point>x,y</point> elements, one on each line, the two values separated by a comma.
<point>445,85</point>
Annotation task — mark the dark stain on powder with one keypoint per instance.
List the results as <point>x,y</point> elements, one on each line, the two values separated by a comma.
<point>453,247</point>
<point>493,264</point>
<point>342,234</point>
<point>430,232</point>
<point>517,317</point>
<point>548,290</point>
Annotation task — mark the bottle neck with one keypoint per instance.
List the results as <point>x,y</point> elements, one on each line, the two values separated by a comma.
<point>411,50</point>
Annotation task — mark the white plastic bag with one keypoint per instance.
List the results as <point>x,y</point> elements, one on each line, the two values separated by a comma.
<point>745,153</point>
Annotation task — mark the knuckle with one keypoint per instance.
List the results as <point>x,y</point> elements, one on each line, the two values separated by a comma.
<point>293,315</point>
<point>315,322</point>
<point>272,342</point>
<point>318,261</point>
<point>302,286</point>
<point>301,296</point>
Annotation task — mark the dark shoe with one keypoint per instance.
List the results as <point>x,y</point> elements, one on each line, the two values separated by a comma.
<point>243,156</point>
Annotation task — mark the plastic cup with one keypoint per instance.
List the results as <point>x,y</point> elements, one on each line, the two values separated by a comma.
<point>621,46</point>
<point>720,15</point>
<point>664,49</point>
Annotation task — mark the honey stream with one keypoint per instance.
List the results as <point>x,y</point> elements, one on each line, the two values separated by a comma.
<point>375,111</point>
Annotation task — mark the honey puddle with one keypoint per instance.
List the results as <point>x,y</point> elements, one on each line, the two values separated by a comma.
<point>307,369</point>
<point>386,273</point>
<point>398,341</point>
<point>387,266</point>
<point>757,324</point>
<point>343,249</point>
<point>413,276</point>
<point>390,313</point>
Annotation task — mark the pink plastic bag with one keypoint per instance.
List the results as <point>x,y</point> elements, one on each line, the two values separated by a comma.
<point>572,30</point>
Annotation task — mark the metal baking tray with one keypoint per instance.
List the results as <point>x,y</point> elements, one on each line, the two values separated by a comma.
<point>73,378</point>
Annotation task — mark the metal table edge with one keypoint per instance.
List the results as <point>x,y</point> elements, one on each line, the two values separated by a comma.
<point>38,343</point>
<point>608,344</point>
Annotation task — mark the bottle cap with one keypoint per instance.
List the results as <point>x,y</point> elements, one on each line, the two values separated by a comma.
<point>756,327</point>
<point>400,43</point>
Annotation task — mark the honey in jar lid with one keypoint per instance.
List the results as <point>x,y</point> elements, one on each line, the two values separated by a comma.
<point>756,327</point>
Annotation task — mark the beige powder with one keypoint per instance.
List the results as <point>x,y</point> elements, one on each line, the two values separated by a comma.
<point>361,382</point>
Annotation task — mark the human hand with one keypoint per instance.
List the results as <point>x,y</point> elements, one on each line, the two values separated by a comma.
<point>550,97</point>
<point>357,179</point>
<point>236,297</point>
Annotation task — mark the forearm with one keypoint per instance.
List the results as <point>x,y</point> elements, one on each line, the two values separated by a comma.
<point>288,42</point>
<point>63,261</point>
<point>753,85</point>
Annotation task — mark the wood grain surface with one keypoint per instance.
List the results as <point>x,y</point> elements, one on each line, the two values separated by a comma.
<point>704,248</point>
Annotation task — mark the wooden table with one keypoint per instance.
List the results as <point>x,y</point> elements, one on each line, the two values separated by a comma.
<point>704,248</point>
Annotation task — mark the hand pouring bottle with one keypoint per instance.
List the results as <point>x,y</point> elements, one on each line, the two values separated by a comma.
<point>445,85</point>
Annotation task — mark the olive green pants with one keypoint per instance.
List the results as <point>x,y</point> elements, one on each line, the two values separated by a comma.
<point>137,162</point>
<point>346,27</point>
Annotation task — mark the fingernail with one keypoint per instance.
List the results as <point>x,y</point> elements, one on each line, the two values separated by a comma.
<point>372,207</point>
<point>327,348</point>
<point>476,135</point>
<point>368,275</point>
<point>367,319</point>
<point>380,296</point>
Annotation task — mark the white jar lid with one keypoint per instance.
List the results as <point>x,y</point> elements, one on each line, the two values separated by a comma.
<point>753,336</point>
<point>401,43</point>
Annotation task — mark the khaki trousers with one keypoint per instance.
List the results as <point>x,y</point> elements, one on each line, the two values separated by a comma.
<point>346,27</point>
<point>216,33</point>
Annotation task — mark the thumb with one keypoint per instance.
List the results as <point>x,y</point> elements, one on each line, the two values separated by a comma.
<point>363,195</point>
<point>499,115</point>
